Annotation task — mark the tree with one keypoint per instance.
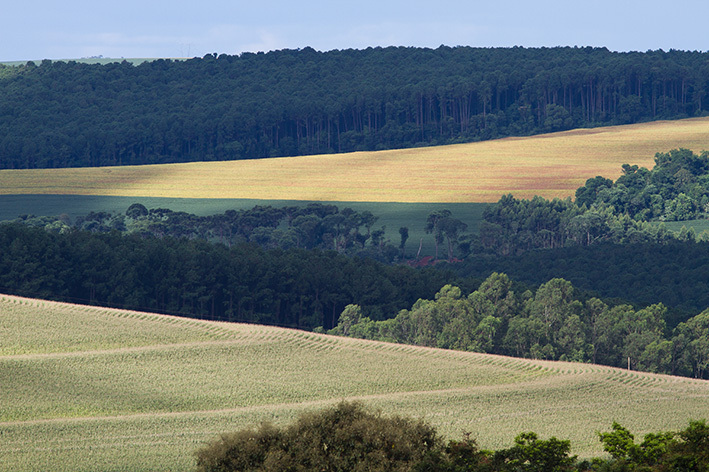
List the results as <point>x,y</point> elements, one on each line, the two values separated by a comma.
<point>451,228</point>
<point>136,210</point>
<point>572,340</point>
<point>433,226</point>
<point>627,455</point>
<point>351,315</point>
<point>485,333</point>
<point>641,329</point>
<point>404,232</point>
<point>558,118</point>
<point>619,443</point>
<point>552,305</point>
<point>695,332</point>
<point>536,455</point>
<point>690,451</point>
<point>342,438</point>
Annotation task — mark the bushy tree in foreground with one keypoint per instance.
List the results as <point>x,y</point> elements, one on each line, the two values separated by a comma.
<point>344,438</point>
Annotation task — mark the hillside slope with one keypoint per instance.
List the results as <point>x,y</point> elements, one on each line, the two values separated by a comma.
<point>86,388</point>
<point>551,165</point>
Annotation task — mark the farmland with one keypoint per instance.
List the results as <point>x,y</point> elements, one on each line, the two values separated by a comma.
<point>401,187</point>
<point>86,387</point>
<point>550,165</point>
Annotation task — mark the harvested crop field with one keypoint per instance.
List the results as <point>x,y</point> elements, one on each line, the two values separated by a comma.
<point>551,165</point>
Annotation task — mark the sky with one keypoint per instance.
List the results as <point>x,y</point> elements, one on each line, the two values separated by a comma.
<point>72,29</point>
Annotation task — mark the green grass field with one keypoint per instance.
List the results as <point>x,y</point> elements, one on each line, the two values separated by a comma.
<point>85,388</point>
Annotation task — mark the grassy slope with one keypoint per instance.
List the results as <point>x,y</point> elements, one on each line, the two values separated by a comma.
<point>552,165</point>
<point>86,388</point>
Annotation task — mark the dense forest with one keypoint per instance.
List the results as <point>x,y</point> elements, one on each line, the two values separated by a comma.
<point>291,102</point>
<point>348,437</point>
<point>675,273</point>
<point>192,277</point>
<point>640,262</point>
<point>675,189</point>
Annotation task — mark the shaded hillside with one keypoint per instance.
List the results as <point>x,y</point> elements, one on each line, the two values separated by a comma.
<point>295,102</point>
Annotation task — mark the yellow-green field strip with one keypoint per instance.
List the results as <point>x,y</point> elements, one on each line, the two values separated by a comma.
<point>551,165</point>
<point>86,388</point>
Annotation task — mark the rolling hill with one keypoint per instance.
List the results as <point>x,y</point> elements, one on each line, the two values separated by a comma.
<point>550,165</point>
<point>86,388</point>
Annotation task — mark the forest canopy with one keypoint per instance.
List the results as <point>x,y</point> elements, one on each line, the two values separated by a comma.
<point>295,102</point>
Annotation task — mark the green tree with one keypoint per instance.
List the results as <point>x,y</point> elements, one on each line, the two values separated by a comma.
<point>452,229</point>
<point>404,233</point>
<point>137,210</point>
<point>690,452</point>
<point>695,352</point>
<point>433,226</point>
<point>350,316</point>
<point>552,305</point>
<point>642,328</point>
<point>620,443</point>
<point>627,455</point>
<point>531,454</point>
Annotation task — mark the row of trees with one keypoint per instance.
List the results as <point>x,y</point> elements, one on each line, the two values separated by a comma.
<point>512,226</point>
<point>662,269</point>
<point>348,437</point>
<point>315,226</point>
<point>550,323</point>
<point>290,102</point>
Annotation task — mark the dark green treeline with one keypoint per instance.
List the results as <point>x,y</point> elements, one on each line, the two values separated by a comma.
<point>192,277</point>
<point>291,102</point>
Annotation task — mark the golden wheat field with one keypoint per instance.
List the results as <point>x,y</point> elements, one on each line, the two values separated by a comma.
<point>551,165</point>
<point>87,388</point>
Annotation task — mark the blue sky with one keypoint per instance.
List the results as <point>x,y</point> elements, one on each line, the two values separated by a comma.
<point>44,29</point>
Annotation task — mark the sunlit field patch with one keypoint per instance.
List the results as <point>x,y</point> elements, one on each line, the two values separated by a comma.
<point>551,165</point>
<point>87,388</point>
